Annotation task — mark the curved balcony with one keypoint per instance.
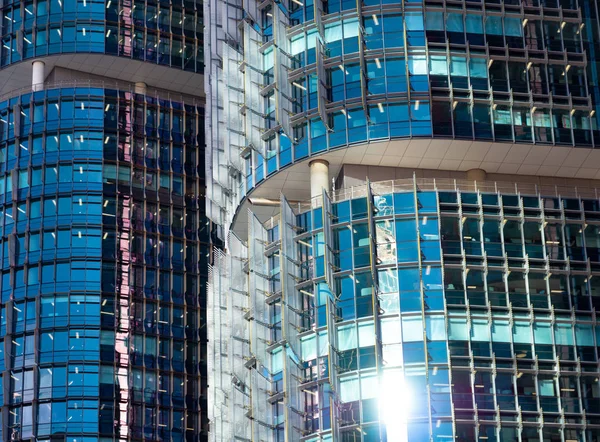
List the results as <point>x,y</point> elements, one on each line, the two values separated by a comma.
<point>98,37</point>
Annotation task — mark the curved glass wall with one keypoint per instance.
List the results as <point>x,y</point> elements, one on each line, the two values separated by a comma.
<point>169,34</point>
<point>517,72</point>
<point>414,314</point>
<point>103,251</point>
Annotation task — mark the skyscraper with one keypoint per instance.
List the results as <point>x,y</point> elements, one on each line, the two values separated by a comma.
<point>104,238</point>
<point>408,196</point>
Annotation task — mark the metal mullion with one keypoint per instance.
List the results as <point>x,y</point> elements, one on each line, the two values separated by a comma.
<point>422,292</point>
<point>375,294</point>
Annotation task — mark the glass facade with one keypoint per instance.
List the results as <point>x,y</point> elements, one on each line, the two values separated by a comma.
<point>417,312</point>
<point>428,313</point>
<point>104,251</point>
<point>344,73</point>
<point>165,33</point>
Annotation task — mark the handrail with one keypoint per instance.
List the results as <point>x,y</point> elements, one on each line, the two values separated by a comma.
<point>445,184</point>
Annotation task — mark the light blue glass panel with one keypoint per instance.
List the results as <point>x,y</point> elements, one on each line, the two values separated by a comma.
<point>414,21</point>
<point>474,24</point>
<point>521,332</point>
<point>478,67</point>
<point>436,328</point>
<point>384,204</point>
<point>366,334</point>
<point>417,64</point>
<point>323,343</point>
<point>435,21</point>
<point>563,334</point>
<point>311,39</point>
<point>309,347</point>
<point>333,32</point>
<point>277,361</point>
<point>268,59</point>
<point>584,335</point>
<point>542,332</point>
<point>513,27</point>
<point>412,329</point>
<point>454,23</point>
<point>438,65</point>
<point>347,338</point>
<point>480,330</point>
<point>369,385</point>
<point>299,42</point>
<point>390,330</point>
<point>351,28</point>
<point>458,66</point>
<point>457,329</point>
<point>350,389</point>
<point>323,293</point>
<point>493,25</point>
<point>501,330</point>
<point>388,280</point>
<point>547,387</point>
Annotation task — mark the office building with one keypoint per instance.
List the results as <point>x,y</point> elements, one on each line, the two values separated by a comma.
<point>408,197</point>
<point>104,238</point>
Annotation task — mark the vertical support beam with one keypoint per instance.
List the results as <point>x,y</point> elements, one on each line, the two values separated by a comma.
<point>319,178</point>
<point>291,306</point>
<point>328,239</point>
<point>322,82</point>
<point>282,67</point>
<point>253,80</point>
<point>375,293</point>
<point>363,72</point>
<point>38,75</point>
<point>332,318</point>
<point>260,331</point>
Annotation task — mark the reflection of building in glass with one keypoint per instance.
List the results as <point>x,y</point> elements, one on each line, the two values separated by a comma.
<point>100,270</point>
<point>102,226</point>
<point>444,307</point>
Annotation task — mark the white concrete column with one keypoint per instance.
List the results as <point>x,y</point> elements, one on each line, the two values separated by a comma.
<point>38,75</point>
<point>140,88</point>
<point>319,177</point>
<point>476,175</point>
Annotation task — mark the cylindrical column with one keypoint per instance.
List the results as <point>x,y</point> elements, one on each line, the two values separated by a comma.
<point>476,175</point>
<point>38,75</point>
<point>319,177</point>
<point>140,88</point>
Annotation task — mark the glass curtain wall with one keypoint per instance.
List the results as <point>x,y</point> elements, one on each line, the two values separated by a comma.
<point>104,251</point>
<point>517,72</point>
<point>456,315</point>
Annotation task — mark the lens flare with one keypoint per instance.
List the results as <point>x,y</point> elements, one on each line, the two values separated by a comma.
<point>394,403</point>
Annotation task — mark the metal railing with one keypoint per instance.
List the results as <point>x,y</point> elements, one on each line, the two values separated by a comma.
<point>447,184</point>
<point>444,184</point>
